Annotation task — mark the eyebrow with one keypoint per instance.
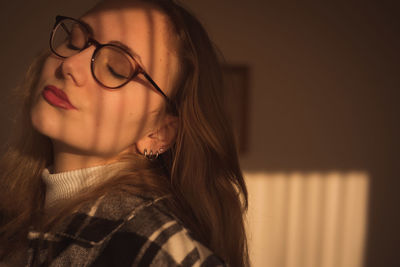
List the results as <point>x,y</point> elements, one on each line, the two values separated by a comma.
<point>116,42</point>
<point>124,46</point>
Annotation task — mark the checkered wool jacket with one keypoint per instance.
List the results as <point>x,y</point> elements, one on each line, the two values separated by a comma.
<point>120,230</point>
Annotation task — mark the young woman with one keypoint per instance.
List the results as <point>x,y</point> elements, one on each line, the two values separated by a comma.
<point>125,156</point>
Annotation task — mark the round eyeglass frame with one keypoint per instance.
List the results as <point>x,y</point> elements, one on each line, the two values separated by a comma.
<point>90,41</point>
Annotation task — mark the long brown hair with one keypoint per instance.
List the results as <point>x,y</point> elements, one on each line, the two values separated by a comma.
<point>201,171</point>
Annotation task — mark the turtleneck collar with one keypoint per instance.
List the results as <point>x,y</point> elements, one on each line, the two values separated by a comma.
<point>65,185</point>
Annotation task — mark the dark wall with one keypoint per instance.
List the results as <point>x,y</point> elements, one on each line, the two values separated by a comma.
<point>324,88</point>
<point>324,94</point>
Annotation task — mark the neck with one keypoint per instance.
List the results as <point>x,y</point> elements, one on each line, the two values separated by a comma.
<point>67,159</point>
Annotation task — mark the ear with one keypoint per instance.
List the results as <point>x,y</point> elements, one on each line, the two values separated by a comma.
<point>160,139</point>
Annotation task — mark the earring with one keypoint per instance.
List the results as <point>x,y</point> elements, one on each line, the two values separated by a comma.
<point>151,156</point>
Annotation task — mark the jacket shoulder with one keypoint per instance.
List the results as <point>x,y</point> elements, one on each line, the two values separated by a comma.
<point>152,236</point>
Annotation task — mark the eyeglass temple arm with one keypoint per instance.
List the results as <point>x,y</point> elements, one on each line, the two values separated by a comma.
<point>170,103</point>
<point>155,85</point>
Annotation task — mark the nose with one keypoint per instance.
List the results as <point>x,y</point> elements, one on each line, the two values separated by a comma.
<point>76,68</point>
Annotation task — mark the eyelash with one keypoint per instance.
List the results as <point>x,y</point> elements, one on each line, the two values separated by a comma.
<point>117,75</point>
<point>71,46</point>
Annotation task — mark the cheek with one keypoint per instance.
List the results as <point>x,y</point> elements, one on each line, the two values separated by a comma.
<point>118,120</point>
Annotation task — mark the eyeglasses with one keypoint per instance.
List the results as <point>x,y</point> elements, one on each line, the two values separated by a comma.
<point>112,65</point>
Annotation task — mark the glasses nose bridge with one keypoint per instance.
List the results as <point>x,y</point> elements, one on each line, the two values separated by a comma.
<point>90,42</point>
<point>93,42</point>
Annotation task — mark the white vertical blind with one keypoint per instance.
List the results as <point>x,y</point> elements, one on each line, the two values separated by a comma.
<point>307,219</point>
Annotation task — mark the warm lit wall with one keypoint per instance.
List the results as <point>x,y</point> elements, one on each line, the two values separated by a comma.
<point>313,219</point>
<point>323,90</point>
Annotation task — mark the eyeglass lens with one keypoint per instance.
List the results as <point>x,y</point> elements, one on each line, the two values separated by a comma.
<point>111,66</point>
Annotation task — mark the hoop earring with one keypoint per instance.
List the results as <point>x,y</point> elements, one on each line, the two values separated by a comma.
<point>150,156</point>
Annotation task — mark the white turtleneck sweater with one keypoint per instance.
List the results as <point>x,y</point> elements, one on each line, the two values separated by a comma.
<point>65,185</point>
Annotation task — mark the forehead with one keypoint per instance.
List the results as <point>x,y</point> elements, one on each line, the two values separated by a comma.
<point>141,27</point>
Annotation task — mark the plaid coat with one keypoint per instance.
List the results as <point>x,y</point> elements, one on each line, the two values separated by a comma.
<point>120,230</point>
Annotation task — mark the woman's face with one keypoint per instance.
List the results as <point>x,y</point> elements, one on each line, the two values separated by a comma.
<point>105,122</point>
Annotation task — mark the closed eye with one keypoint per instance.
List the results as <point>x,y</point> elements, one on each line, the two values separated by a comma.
<point>71,46</point>
<point>114,73</point>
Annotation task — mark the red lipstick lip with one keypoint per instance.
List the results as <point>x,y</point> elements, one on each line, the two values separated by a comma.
<point>57,97</point>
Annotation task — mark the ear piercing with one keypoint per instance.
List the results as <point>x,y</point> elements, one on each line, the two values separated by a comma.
<point>150,155</point>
